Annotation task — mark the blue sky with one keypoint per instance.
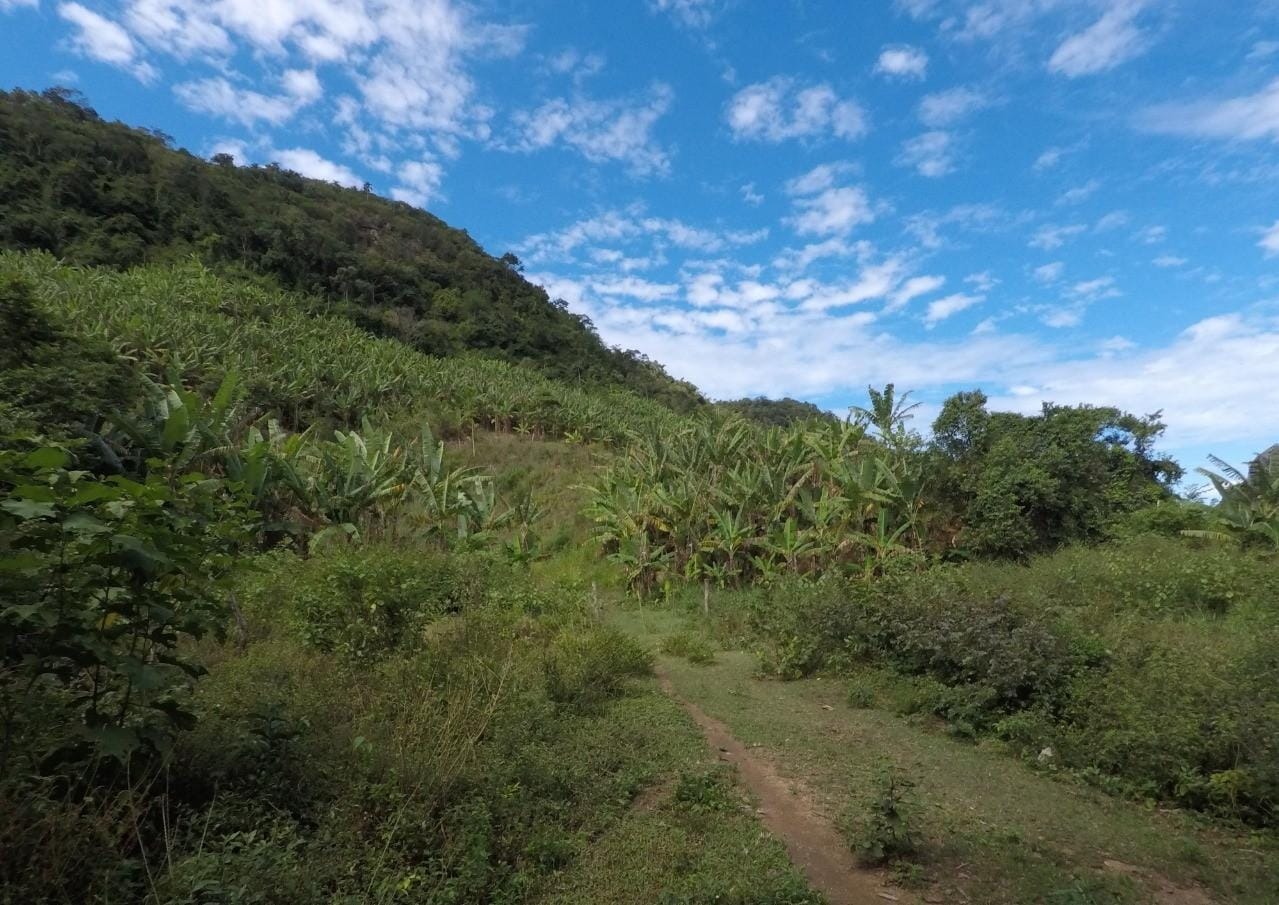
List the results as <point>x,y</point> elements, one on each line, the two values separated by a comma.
<point>1066,200</point>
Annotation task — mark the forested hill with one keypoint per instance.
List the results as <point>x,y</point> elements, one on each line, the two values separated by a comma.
<point>103,193</point>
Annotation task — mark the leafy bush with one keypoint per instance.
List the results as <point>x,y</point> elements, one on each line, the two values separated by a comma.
<point>883,828</point>
<point>693,648</point>
<point>102,581</point>
<point>585,667</point>
<point>1146,665</point>
<point>367,601</point>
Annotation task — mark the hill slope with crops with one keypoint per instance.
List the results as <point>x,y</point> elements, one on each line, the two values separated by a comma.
<point>99,193</point>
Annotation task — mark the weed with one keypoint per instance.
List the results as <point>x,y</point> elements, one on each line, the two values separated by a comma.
<point>884,829</point>
<point>693,648</point>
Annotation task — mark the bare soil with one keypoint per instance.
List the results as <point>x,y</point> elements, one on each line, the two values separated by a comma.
<point>789,812</point>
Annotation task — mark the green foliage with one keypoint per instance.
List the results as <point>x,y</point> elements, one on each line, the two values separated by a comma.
<point>311,369</point>
<point>1249,503</point>
<point>52,380</point>
<point>100,582</point>
<point>1022,484</point>
<point>365,602</point>
<point>694,648</point>
<point>1145,665</point>
<point>728,502</point>
<point>883,829</point>
<point>705,791</point>
<point>102,194</point>
<point>774,412</point>
<point>590,665</point>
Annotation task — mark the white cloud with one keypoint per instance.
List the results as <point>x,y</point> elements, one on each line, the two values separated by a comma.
<point>1050,273</point>
<point>1080,193</point>
<point>1262,50</point>
<point>1270,240</point>
<point>9,5</point>
<point>419,182</point>
<point>950,305</point>
<point>636,288</point>
<point>943,108</point>
<point>835,210</point>
<point>1094,290</point>
<point>601,131</point>
<point>693,13</point>
<point>102,39</point>
<point>1249,117</point>
<point>750,195</point>
<point>913,289</point>
<point>1195,380</point>
<point>303,85</point>
<point>629,225</point>
<point>312,165</point>
<point>825,208</point>
<point>1050,237</point>
<point>931,154</point>
<point>1153,235</point>
<point>982,282</point>
<point>218,97</point>
<point>781,109</point>
<point>1112,220</point>
<point>1049,158</point>
<point>902,61</point>
<point>1172,261</point>
<point>180,28</point>
<point>1110,41</point>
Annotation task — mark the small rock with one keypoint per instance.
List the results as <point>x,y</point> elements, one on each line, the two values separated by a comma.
<point>1046,756</point>
<point>827,707</point>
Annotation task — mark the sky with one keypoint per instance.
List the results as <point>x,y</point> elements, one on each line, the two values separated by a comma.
<point>1051,200</point>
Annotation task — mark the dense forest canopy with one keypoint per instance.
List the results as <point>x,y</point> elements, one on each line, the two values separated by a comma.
<point>101,193</point>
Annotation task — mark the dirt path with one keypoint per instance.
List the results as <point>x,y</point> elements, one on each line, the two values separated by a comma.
<point>787,809</point>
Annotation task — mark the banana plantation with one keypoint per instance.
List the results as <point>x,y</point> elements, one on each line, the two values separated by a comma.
<point>731,503</point>
<point>306,366</point>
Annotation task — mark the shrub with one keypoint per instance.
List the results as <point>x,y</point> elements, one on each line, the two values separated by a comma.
<point>367,601</point>
<point>102,582</point>
<point>693,648</point>
<point>585,667</point>
<point>884,828</point>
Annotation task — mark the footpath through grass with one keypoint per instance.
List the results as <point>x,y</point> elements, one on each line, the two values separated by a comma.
<point>993,829</point>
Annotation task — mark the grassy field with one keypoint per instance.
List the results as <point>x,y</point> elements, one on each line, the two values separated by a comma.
<point>994,829</point>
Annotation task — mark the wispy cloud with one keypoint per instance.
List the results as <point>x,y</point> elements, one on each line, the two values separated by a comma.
<point>902,61</point>
<point>104,40</point>
<point>1113,39</point>
<point>783,108</point>
<point>943,108</point>
<point>1247,117</point>
<point>930,154</point>
<point>601,131</point>
<point>1269,242</point>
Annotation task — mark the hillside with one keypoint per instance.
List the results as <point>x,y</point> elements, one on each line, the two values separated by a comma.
<point>300,602</point>
<point>101,193</point>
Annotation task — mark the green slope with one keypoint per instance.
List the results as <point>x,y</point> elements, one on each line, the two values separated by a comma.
<point>101,193</point>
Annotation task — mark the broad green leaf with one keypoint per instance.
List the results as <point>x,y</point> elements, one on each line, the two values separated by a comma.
<point>27,509</point>
<point>47,457</point>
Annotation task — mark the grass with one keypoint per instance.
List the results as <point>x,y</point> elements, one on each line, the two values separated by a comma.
<point>687,838</point>
<point>992,829</point>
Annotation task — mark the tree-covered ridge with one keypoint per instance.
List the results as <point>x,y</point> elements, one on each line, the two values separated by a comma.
<point>775,412</point>
<point>100,193</point>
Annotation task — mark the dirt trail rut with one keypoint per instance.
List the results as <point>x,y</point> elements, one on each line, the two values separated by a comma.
<point>787,809</point>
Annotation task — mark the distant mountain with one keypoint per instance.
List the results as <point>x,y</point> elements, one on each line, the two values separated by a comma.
<point>101,193</point>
